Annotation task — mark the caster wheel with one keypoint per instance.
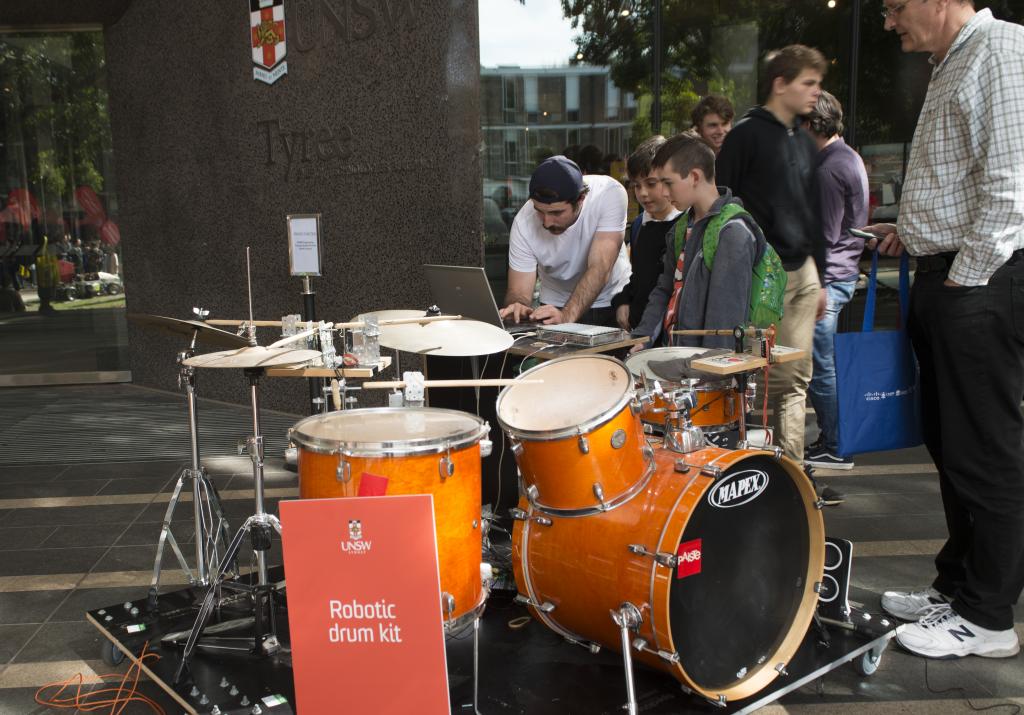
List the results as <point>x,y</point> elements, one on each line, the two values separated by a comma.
<point>867,663</point>
<point>111,654</point>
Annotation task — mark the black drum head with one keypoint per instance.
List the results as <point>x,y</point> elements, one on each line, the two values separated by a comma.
<point>740,581</point>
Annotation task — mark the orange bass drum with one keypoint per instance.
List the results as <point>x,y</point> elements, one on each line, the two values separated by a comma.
<point>721,554</point>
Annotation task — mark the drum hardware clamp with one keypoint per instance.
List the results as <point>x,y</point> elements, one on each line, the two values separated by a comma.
<point>628,618</point>
<point>521,515</point>
<point>668,656</point>
<point>546,607</point>
<point>669,561</point>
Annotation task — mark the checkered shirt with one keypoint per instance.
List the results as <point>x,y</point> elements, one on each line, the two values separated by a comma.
<point>964,188</point>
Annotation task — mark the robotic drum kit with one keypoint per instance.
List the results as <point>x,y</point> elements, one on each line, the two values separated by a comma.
<point>699,561</point>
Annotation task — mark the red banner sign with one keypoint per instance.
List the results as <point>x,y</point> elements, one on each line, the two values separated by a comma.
<point>364,605</point>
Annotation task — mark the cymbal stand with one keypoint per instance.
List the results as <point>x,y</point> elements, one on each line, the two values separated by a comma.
<point>211,527</point>
<point>260,528</point>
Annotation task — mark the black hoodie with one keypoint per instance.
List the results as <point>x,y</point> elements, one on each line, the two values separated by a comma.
<point>771,168</point>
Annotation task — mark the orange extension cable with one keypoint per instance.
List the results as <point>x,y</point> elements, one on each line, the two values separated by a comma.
<point>114,698</point>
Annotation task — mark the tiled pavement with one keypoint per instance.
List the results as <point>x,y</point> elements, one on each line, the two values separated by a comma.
<point>77,535</point>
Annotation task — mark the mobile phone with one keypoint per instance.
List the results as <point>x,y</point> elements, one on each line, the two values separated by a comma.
<point>866,235</point>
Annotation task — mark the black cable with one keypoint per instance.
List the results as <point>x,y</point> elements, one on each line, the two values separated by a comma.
<point>963,694</point>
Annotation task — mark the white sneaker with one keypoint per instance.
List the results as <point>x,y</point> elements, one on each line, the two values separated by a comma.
<point>911,605</point>
<point>943,633</point>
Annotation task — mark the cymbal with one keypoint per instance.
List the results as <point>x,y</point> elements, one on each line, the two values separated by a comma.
<point>449,338</point>
<point>253,356</point>
<point>208,335</point>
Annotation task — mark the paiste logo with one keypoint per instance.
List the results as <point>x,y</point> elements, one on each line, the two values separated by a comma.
<point>739,488</point>
<point>356,544</point>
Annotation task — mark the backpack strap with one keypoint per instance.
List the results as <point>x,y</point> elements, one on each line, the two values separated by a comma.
<point>634,229</point>
<point>714,228</point>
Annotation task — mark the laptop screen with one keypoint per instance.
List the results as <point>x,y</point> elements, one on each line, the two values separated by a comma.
<point>463,290</point>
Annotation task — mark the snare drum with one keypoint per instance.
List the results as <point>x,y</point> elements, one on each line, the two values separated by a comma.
<point>374,452</point>
<point>718,405</point>
<point>576,435</point>
<point>721,556</point>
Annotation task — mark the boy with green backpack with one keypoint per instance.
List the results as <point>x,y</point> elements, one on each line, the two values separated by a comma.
<point>719,271</point>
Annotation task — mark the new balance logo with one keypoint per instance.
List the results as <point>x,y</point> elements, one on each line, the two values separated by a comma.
<point>961,633</point>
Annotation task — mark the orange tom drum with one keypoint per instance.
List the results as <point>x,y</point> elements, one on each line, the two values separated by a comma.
<point>374,452</point>
<point>721,555</point>
<point>717,399</point>
<point>576,435</point>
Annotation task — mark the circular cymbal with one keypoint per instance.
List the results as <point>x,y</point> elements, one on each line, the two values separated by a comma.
<point>253,356</point>
<point>207,334</point>
<point>449,338</point>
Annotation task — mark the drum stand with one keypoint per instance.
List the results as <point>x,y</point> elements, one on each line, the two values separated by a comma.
<point>628,618</point>
<point>211,528</point>
<point>260,528</point>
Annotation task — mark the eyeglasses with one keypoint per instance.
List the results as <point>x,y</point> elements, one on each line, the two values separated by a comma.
<point>895,10</point>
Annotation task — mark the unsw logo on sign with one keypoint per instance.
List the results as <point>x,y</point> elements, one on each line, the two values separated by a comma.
<point>355,543</point>
<point>266,28</point>
<point>738,488</point>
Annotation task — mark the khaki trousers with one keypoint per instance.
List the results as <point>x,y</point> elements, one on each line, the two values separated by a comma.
<point>787,383</point>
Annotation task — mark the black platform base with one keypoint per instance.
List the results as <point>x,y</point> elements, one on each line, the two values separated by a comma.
<point>522,670</point>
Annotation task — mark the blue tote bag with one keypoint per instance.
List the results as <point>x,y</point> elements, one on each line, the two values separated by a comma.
<point>877,381</point>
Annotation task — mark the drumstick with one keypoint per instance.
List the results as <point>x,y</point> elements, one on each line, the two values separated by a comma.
<point>347,325</point>
<point>298,336</point>
<point>336,393</point>
<point>495,382</point>
<point>755,332</point>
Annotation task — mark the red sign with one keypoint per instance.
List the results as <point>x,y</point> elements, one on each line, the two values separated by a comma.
<point>689,557</point>
<point>364,605</point>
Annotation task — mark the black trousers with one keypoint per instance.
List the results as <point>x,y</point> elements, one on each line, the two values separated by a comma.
<point>599,316</point>
<point>970,346</point>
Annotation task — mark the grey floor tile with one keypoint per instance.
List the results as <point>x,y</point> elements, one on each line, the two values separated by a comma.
<point>24,537</point>
<point>843,523</point>
<point>104,534</point>
<point>138,485</point>
<point>122,470</point>
<point>38,562</point>
<point>12,638</point>
<point>30,472</point>
<point>148,533</point>
<point>74,515</point>
<point>29,606</point>
<point>28,490</point>
<point>62,641</point>
<point>127,558</point>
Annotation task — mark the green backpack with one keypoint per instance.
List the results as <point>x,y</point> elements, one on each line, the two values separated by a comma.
<point>768,282</point>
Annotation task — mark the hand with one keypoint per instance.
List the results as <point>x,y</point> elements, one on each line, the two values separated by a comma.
<point>622,316</point>
<point>518,311</point>
<point>952,284</point>
<point>890,241</point>
<point>548,315</point>
<point>639,346</point>
<point>822,304</point>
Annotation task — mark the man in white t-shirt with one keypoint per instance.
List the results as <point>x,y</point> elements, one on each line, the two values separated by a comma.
<point>569,233</point>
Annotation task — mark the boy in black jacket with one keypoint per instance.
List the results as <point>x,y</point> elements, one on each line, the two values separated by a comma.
<point>646,235</point>
<point>768,162</point>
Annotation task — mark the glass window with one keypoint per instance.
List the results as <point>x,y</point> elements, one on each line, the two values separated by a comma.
<point>61,290</point>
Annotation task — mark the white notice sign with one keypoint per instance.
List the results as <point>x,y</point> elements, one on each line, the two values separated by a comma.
<point>304,244</point>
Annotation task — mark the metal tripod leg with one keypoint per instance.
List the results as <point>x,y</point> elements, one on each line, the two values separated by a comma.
<point>627,618</point>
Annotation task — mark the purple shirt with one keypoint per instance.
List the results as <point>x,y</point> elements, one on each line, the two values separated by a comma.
<point>843,184</point>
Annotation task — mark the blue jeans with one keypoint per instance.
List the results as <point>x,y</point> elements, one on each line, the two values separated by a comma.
<point>823,384</point>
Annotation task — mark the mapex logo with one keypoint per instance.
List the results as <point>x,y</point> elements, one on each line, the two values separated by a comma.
<point>738,488</point>
<point>355,544</point>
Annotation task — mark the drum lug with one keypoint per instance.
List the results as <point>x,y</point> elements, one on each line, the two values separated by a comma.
<point>780,668</point>
<point>648,452</point>
<point>448,601</point>
<point>709,471</point>
<point>546,607</point>
<point>720,702</point>
<point>584,444</point>
<point>641,645</point>
<point>681,466</point>
<point>446,467</point>
<point>669,561</point>
<point>648,429</point>
<point>486,448</point>
<point>521,515</point>
<point>344,472</point>
<point>599,493</point>
<point>818,587</point>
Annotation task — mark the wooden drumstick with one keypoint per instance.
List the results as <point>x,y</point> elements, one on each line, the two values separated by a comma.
<point>337,326</point>
<point>336,393</point>
<point>485,382</point>
<point>749,332</point>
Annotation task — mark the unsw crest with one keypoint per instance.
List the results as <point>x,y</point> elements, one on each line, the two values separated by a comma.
<point>267,37</point>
